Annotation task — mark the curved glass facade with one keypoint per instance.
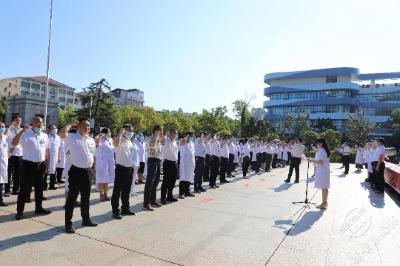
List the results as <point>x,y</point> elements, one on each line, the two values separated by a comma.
<point>332,93</point>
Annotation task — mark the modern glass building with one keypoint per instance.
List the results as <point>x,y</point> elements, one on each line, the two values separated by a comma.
<point>332,93</point>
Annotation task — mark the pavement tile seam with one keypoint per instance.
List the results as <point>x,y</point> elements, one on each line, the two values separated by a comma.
<point>99,240</point>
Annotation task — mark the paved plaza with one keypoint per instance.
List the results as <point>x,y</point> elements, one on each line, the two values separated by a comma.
<point>245,222</point>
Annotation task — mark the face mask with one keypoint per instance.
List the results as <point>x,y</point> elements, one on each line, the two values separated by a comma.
<point>53,131</point>
<point>2,129</point>
<point>129,134</point>
<point>37,130</point>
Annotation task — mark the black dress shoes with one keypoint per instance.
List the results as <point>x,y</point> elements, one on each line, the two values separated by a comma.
<point>128,212</point>
<point>19,216</point>
<point>69,229</point>
<point>287,180</point>
<point>42,211</point>
<point>172,199</point>
<point>88,224</point>
<point>116,216</point>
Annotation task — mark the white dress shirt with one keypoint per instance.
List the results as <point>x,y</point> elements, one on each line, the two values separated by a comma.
<point>34,146</point>
<point>224,150</point>
<point>199,148</point>
<point>207,147</point>
<point>11,133</point>
<point>245,150</point>
<point>297,150</point>
<point>346,150</point>
<point>125,152</point>
<point>215,151</point>
<point>142,152</point>
<point>170,150</point>
<point>4,147</point>
<point>81,150</point>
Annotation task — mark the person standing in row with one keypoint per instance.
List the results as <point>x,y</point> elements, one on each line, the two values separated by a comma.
<point>379,166</point>
<point>82,150</point>
<point>346,158</point>
<point>170,168</point>
<point>200,154</point>
<point>54,153</point>
<point>35,148</point>
<point>268,159</point>
<point>297,153</point>
<point>245,155</point>
<point>4,152</point>
<point>125,154</point>
<point>207,161</point>
<point>61,162</point>
<point>15,160</point>
<point>186,166</point>
<point>232,151</point>
<point>215,161</point>
<point>105,163</point>
<point>153,168</point>
<point>142,157</point>
<point>224,161</point>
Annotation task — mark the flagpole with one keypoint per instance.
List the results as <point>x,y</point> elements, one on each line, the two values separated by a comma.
<point>46,101</point>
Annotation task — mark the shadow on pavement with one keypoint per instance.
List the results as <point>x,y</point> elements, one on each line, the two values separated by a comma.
<point>282,187</point>
<point>305,223</point>
<point>375,200</point>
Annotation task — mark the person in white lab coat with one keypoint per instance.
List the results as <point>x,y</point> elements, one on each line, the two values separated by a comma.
<point>140,143</point>
<point>186,165</point>
<point>4,153</point>
<point>105,163</point>
<point>54,153</point>
<point>61,162</point>
<point>15,160</point>
<point>136,165</point>
<point>322,171</point>
<point>359,160</point>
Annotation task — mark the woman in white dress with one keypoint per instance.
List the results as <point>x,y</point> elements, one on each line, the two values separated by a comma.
<point>359,159</point>
<point>105,163</point>
<point>322,173</point>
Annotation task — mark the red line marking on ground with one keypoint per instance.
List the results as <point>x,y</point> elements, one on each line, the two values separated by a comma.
<point>206,199</point>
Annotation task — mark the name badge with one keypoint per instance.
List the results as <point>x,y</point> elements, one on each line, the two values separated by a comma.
<point>41,142</point>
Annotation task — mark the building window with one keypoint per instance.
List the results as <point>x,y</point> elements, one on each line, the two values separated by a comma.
<point>331,79</point>
<point>25,84</point>
<point>70,101</point>
<point>70,93</point>
<point>61,99</point>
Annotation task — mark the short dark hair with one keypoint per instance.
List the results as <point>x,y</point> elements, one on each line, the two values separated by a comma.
<point>15,117</point>
<point>172,130</point>
<point>49,126</point>
<point>300,140</point>
<point>105,130</point>
<point>156,128</point>
<point>128,126</point>
<point>83,119</point>
<point>381,140</point>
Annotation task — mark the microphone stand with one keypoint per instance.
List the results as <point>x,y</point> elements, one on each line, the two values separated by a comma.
<point>306,201</point>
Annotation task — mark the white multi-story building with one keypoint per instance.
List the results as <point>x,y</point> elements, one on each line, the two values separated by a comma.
<point>131,97</point>
<point>332,93</point>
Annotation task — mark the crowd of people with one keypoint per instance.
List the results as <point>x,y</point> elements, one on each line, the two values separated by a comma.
<point>44,159</point>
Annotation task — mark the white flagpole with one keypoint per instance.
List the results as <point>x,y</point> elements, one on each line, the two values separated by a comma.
<point>46,101</point>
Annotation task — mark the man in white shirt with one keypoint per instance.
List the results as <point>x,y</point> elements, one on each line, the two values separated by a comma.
<point>170,168</point>
<point>15,160</point>
<point>124,155</point>
<point>207,161</point>
<point>297,153</point>
<point>379,166</point>
<point>35,147</point>
<point>224,161</point>
<point>215,160</point>
<point>81,155</point>
<point>245,155</point>
<point>200,155</point>
<point>346,157</point>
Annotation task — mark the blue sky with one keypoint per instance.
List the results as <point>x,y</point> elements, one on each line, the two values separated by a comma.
<point>195,54</point>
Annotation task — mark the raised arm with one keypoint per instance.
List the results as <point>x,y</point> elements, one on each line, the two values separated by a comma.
<point>18,137</point>
<point>117,139</point>
<point>64,130</point>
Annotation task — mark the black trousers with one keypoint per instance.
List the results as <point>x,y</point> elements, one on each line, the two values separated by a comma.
<point>14,173</point>
<point>379,177</point>
<point>52,180</point>
<point>207,163</point>
<point>224,168</point>
<point>231,165</point>
<point>122,187</point>
<point>198,172</point>
<point>289,154</point>
<point>294,164</point>
<point>258,162</point>
<point>245,165</point>
<point>1,193</point>
<point>274,160</point>
<point>170,169</point>
<point>184,188</point>
<point>152,180</point>
<point>346,163</point>
<point>215,161</point>
<point>32,174</point>
<point>59,172</point>
<point>268,162</point>
<point>79,182</point>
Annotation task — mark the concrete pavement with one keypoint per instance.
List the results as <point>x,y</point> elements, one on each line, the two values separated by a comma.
<point>245,222</point>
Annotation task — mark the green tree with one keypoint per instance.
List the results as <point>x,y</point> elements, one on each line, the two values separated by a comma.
<point>241,111</point>
<point>332,137</point>
<point>310,136</point>
<point>3,108</point>
<point>99,105</point>
<point>293,126</point>
<point>67,115</point>
<point>322,124</point>
<point>358,128</point>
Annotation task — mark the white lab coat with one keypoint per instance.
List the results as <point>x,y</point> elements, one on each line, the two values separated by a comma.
<point>359,157</point>
<point>135,162</point>
<point>54,146</point>
<point>187,162</point>
<point>4,148</point>
<point>105,163</point>
<point>61,159</point>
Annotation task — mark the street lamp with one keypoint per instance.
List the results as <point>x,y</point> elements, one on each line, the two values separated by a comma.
<point>46,101</point>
